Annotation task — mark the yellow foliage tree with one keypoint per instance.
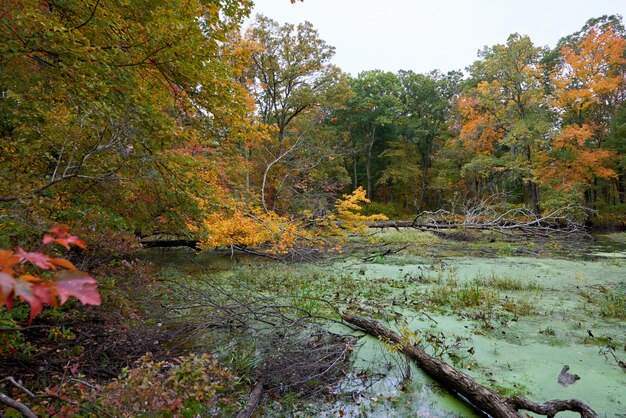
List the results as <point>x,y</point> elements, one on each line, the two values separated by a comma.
<point>238,225</point>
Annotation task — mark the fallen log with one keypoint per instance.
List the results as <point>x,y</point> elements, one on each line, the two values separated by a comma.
<point>464,386</point>
<point>253,401</point>
<point>168,243</point>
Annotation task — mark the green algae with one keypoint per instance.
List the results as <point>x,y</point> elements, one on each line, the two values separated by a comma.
<point>519,319</point>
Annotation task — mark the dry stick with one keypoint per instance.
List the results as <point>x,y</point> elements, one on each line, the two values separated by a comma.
<point>463,385</point>
<point>12,403</point>
<point>4,399</point>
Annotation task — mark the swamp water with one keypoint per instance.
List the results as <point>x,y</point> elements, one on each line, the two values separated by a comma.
<point>511,322</point>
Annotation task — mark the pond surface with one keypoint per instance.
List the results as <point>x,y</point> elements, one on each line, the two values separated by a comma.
<point>511,322</point>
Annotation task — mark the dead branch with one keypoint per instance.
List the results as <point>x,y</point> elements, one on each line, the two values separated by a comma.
<point>18,406</point>
<point>388,251</point>
<point>495,218</point>
<point>463,385</point>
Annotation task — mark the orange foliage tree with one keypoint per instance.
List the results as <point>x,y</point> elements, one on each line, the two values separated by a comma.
<point>589,80</point>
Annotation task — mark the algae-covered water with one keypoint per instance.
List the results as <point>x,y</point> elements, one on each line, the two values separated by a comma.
<point>510,321</point>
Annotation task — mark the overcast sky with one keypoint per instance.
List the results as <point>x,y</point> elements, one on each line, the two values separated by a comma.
<point>422,35</point>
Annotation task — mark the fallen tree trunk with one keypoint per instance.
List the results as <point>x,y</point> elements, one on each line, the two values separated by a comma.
<point>253,401</point>
<point>463,385</point>
<point>166,243</point>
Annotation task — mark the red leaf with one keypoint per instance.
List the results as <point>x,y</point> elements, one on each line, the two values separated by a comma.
<point>63,237</point>
<point>7,284</point>
<point>78,284</point>
<point>40,260</point>
<point>36,294</point>
<point>74,240</point>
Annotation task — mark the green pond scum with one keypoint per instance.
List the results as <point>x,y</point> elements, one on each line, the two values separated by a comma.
<point>509,314</point>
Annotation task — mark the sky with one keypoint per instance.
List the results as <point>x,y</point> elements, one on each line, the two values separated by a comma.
<point>423,35</point>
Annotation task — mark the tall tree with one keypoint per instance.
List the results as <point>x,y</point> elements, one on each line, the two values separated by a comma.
<point>376,105</point>
<point>291,71</point>
<point>589,85</point>
<point>506,115</point>
<point>425,113</point>
<point>295,87</point>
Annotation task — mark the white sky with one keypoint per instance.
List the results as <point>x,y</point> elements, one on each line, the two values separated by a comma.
<point>423,35</point>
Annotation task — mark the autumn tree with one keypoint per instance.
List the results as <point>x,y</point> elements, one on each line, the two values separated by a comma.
<point>589,85</point>
<point>291,71</point>
<point>504,115</point>
<point>95,97</point>
<point>295,87</point>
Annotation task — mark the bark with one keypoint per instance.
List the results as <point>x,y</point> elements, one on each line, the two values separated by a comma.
<point>368,161</point>
<point>253,401</point>
<point>368,174</point>
<point>18,406</point>
<point>465,387</point>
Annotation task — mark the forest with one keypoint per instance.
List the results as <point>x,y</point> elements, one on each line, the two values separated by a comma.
<point>204,218</point>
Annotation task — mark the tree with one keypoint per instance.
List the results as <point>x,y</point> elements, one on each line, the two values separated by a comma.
<point>505,114</point>
<point>589,84</point>
<point>425,113</point>
<point>295,88</point>
<point>374,107</point>
<point>94,97</point>
<point>291,71</point>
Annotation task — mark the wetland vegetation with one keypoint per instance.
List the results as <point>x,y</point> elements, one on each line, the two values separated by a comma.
<point>201,219</point>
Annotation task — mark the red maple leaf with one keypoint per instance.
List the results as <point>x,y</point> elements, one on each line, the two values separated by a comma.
<point>39,259</point>
<point>61,235</point>
<point>78,284</point>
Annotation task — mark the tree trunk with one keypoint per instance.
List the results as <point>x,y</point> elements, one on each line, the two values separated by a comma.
<point>463,385</point>
<point>534,197</point>
<point>423,196</point>
<point>355,178</point>
<point>368,174</point>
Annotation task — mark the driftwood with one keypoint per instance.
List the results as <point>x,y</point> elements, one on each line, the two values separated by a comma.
<point>464,386</point>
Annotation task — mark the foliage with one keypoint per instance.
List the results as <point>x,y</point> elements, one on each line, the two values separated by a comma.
<point>178,387</point>
<point>96,97</point>
<point>348,210</point>
<point>295,87</point>
<point>251,227</point>
<point>18,279</point>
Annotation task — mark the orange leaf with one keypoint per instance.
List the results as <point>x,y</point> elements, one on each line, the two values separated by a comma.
<point>63,263</point>
<point>7,261</point>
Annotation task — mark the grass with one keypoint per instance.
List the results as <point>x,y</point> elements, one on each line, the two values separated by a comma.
<point>506,283</point>
<point>613,304</point>
<point>407,236</point>
<point>467,296</point>
<point>520,307</point>
<point>617,237</point>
